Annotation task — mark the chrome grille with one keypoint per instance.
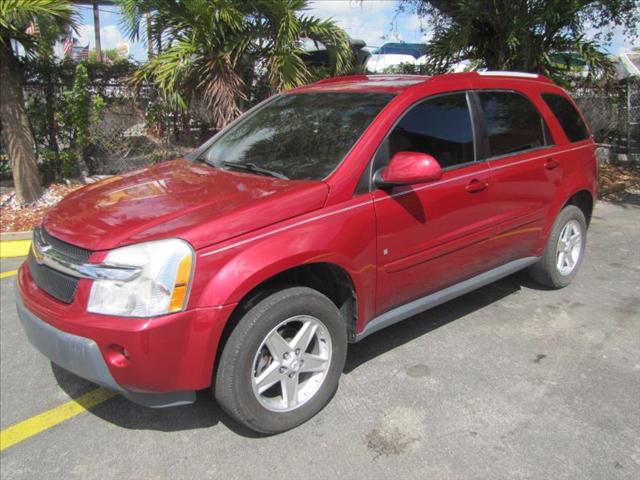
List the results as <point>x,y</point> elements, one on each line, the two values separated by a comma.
<point>77,254</point>
<point>57,284</point>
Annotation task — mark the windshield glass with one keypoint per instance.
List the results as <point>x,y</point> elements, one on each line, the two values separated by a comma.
<point>299,136</point>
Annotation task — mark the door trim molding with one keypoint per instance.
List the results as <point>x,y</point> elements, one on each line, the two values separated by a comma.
<point>434,299</point>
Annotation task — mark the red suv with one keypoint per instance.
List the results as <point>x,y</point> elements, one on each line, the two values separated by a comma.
<point>319,217</point>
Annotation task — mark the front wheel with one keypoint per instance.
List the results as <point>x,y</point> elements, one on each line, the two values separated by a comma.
<point>282,362</point>
<point>564,250</point>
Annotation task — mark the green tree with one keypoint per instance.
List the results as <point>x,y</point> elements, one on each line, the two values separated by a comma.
<point>50,31</point>
<point>15,18</point>
<point>525,35</point>
<point>215,50</point>
<point>82,113</point>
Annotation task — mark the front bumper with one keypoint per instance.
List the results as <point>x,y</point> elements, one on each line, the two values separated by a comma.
<point>81,356</point>
<point>159,361</point>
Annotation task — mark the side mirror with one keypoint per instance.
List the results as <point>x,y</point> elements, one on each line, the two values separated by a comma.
<point>406,168</point>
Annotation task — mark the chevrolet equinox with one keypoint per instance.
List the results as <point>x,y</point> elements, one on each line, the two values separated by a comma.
<point>317,218</point>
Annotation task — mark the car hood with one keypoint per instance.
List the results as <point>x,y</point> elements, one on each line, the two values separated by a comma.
<point>193,201</point>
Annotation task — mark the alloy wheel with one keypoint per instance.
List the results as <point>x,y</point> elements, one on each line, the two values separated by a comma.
<point>291,363</point>
<point>569,247</point>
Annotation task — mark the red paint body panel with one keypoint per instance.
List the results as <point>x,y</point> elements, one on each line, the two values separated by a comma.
<point>407,168</point>
<point>193,201</point>
<point>166,353</point>
<point>395,245</point>
<point>431,235</point>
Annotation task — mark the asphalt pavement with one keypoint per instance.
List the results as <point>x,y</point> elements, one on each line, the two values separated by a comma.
<point>511,381</point>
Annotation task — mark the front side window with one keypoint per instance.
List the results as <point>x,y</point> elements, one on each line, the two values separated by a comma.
<point>512,122</point>
<point>568,116</point>
<point>440,127</point>
<point>297,136</point>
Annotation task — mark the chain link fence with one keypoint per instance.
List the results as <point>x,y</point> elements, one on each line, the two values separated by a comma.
<point>138,129</point>
<point>126,140</point>
<point>613,113</point>
<point>135,133</point>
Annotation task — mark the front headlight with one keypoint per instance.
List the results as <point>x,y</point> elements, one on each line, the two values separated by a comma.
<point>162,286</point>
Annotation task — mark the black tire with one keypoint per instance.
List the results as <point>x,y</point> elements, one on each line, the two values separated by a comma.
<point>233,386</point>
<point>546,271</point>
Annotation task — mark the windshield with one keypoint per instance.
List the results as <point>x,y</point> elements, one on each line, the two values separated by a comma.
<point>297,136</point>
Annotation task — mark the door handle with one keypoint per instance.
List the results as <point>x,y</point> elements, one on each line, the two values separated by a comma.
<point>551,164</point>
<point>475,186</point>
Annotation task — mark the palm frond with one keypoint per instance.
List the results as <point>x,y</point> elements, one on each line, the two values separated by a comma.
<point>222,88</point>
<point>212,45</point>
<point>16,15</point>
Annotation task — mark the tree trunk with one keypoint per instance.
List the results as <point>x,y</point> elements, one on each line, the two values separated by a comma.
<point>147,17</point>
<point>16,130</point>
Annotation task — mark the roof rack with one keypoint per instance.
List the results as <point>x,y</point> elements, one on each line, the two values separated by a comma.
<point>371,77</point>
<point>504,73</point>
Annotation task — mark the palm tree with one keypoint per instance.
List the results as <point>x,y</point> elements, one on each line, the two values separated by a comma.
<point>15,18</point>
<point>216,49</point>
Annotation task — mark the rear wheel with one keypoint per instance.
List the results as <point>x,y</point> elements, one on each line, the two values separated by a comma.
<point>282,362</point>
<point>564,250</point>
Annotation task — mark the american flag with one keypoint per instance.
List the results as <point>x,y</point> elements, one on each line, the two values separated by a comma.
<point>32,29</point>
<point>67,48</point>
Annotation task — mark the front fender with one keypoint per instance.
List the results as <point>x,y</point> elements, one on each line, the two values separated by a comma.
<point>342,235</point>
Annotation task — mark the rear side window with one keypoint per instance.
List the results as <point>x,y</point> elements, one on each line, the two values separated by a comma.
<point>569,118</point>
<point>513,124</point>
<point>439,126</point>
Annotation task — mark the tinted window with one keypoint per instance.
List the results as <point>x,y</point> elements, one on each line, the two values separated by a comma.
<point>440,126</point>
<point>513,123</point>
<point>568,116</point>
<point>303,136</point>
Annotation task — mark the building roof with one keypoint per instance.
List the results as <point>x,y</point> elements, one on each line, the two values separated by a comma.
<point>631,63</point>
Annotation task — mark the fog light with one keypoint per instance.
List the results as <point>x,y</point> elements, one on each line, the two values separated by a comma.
<point>118,356</point>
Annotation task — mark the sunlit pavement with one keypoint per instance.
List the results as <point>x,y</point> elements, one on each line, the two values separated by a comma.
<point>508,382</point>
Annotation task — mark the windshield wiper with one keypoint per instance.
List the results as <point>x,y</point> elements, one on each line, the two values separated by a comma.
<point>253,168</point>
<point>203,158</point>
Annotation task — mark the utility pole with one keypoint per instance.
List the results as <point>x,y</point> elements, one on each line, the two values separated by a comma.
<point>96,29</point>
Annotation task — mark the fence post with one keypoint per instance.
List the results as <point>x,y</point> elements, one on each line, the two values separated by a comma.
<point>629,120</point>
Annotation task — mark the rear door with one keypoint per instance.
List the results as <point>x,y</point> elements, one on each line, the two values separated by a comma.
<point>432,235</point>
<point>525,171</point>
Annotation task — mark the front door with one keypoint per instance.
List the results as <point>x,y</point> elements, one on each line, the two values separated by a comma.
<point>432,235</point>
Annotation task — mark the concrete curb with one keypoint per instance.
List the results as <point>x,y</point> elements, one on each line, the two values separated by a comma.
<point>11,236</point>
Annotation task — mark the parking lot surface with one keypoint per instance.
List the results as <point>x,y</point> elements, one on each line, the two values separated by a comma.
<point>508,382</point>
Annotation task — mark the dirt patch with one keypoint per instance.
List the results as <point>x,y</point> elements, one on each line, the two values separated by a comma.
<point>618,182</point>
<point>15,218</point>
<point>388,442</point>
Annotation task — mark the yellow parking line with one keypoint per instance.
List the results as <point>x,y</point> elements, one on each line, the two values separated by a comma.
<point>46,420</point>
<point>14,248</point>
<point>8,274</point>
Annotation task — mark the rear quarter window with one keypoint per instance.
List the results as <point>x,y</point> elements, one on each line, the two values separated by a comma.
<point>512,122</point>
<point>569,118</point>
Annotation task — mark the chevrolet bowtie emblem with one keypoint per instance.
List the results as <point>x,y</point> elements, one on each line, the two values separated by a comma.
<point>39,248</point>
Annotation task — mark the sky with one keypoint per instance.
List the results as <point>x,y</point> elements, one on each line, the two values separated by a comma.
<point>374,21</point>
